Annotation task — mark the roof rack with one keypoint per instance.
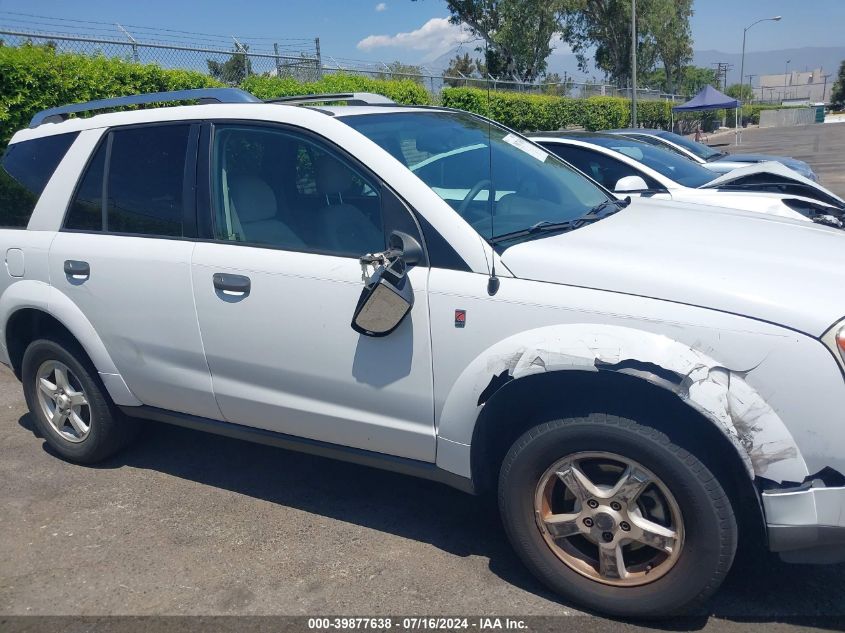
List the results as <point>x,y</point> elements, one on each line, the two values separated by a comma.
<point>351,98</point>
<point>203,95</point>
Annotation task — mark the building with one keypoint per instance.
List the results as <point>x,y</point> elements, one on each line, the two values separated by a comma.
<point>811,86</point>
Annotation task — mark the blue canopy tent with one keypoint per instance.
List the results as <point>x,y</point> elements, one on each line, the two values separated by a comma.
<point>708,99</point>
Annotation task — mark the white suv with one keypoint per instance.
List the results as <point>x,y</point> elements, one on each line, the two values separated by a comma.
<point>643,383</point>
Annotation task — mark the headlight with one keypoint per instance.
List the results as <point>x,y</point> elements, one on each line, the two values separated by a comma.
<point>835,340</point>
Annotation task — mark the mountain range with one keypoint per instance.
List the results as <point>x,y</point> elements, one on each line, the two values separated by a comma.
<point>757,63</point>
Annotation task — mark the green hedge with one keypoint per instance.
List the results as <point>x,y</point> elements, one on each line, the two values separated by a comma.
<point>526,112</point>
<point>33,78</point>
<point>400,90</point>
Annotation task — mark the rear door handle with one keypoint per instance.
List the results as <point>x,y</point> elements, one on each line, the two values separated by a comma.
<point>232,284</point>
<point>77,269</point>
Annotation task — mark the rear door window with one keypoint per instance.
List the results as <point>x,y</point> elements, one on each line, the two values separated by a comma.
<point>26,168</point>
<point>135,183</point>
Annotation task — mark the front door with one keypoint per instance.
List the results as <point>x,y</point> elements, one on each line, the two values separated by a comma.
<point>276,288</point>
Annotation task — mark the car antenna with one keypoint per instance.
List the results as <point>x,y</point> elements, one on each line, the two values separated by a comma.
<point>493,281</point>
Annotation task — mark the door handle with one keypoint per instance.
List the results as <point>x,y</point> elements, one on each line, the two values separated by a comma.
<point>232,284</point>
<point>77,269</point>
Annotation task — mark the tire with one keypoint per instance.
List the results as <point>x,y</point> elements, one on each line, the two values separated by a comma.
<point>697,513</point>
<point>108,430</point>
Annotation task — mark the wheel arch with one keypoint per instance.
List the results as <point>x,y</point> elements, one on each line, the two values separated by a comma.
<point>620,367</point>
<point>29,309</point>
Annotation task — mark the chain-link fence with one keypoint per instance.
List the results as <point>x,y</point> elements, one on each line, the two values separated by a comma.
<point>228,65</point>
<point>299,59</point>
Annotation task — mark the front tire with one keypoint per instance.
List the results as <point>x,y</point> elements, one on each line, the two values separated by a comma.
<point>72,410</point>
<point>612,515</point>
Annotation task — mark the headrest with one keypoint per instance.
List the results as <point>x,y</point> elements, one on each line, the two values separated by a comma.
<point>332,176</point>
<point>253,198</point>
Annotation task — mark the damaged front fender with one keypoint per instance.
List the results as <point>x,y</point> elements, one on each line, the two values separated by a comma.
<point>722,394</point>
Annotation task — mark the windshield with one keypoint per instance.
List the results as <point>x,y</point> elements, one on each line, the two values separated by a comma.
<point>451,153</point>
<point>699,149</point>
<point>677,168</point>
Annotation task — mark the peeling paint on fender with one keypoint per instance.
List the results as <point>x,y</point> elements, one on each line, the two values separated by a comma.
<point>720,393</point>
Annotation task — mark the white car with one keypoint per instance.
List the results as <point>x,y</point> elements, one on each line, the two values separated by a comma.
<point>630,167</point>
<point>713,159</point>
<point>639,384</point>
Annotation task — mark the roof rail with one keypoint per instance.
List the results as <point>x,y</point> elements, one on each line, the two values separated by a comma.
<point>203,95</point>
<point>351,98</point>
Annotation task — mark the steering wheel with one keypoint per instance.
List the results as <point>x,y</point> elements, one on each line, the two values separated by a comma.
<point>485,183</point>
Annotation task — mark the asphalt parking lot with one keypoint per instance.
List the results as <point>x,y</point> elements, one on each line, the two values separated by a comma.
<point>189,523</point>
<point>819,145</point>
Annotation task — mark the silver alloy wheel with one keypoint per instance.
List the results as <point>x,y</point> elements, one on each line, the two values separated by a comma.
<point>63,400</point>
<point>609,518</point>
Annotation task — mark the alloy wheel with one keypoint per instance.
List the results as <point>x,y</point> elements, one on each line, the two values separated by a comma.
<point>609,518</point>
<point>63,401</point>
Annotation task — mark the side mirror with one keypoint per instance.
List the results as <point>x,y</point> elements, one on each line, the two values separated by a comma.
<point>388,297</point>
<point>631,183</point>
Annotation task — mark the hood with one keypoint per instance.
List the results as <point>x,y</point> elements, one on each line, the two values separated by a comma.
<point>788,272</point>
<point>735,161</point>
<point>774,177</point>
<point>793,163</point>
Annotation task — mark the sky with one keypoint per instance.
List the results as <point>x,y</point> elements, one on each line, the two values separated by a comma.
<point>411,31</point>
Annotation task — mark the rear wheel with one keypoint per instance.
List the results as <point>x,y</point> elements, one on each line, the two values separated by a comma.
<point>69,404</point>
<point>612,515</point>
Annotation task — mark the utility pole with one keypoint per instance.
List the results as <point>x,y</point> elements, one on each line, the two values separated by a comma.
<point>319,58</point>
<point>633,63</point>
<point>751,85</point>
<point>824,89</point>
<point>722,69</point>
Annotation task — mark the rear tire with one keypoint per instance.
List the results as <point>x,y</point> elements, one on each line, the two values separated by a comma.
<point>632,486</point>
<point>69,404</point>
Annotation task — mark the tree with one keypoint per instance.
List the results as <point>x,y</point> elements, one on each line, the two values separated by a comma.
<point>398,70</point>
<point>234,70</point>
<point>460,66</point>
<point>604,26</point>
<point>554,84</point>
<point>838,94</point>
<point>692,79</point>
<point>517,33</point>
<point>743,92</point>
<point>673,38</point>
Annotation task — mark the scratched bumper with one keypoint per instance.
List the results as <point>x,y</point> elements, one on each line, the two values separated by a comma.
<point>806,525</point>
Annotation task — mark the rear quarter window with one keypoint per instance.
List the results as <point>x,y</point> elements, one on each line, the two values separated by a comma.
<point>27,166</point>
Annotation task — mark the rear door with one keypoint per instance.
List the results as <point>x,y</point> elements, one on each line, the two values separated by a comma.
<point>123,257</point>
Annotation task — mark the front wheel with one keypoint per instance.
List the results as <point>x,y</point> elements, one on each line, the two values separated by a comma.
<point>611,514</point>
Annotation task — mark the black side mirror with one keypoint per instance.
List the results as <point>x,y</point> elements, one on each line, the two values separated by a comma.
<point>388,297</point>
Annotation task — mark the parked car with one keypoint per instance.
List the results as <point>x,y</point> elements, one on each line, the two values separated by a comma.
<point>713,159</point>
<point>640,383</point>
<point>631,167</point>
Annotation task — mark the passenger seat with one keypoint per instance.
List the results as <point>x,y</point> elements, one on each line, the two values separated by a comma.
<point>254,208</point>
<point>348,229</point>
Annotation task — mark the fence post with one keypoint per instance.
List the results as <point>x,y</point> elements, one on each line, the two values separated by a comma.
<point>135,57</point>
<point>278,61</point>
<point>319,58</point>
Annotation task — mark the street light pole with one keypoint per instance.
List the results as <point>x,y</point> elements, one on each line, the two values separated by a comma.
<point>785,77</point>
<point>633,63</point>
<point>744,31</point>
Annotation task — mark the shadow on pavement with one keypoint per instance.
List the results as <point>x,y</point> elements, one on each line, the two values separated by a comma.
<point>759,588</point>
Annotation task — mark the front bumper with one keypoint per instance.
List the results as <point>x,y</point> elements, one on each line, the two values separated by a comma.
<point>806,524</point>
